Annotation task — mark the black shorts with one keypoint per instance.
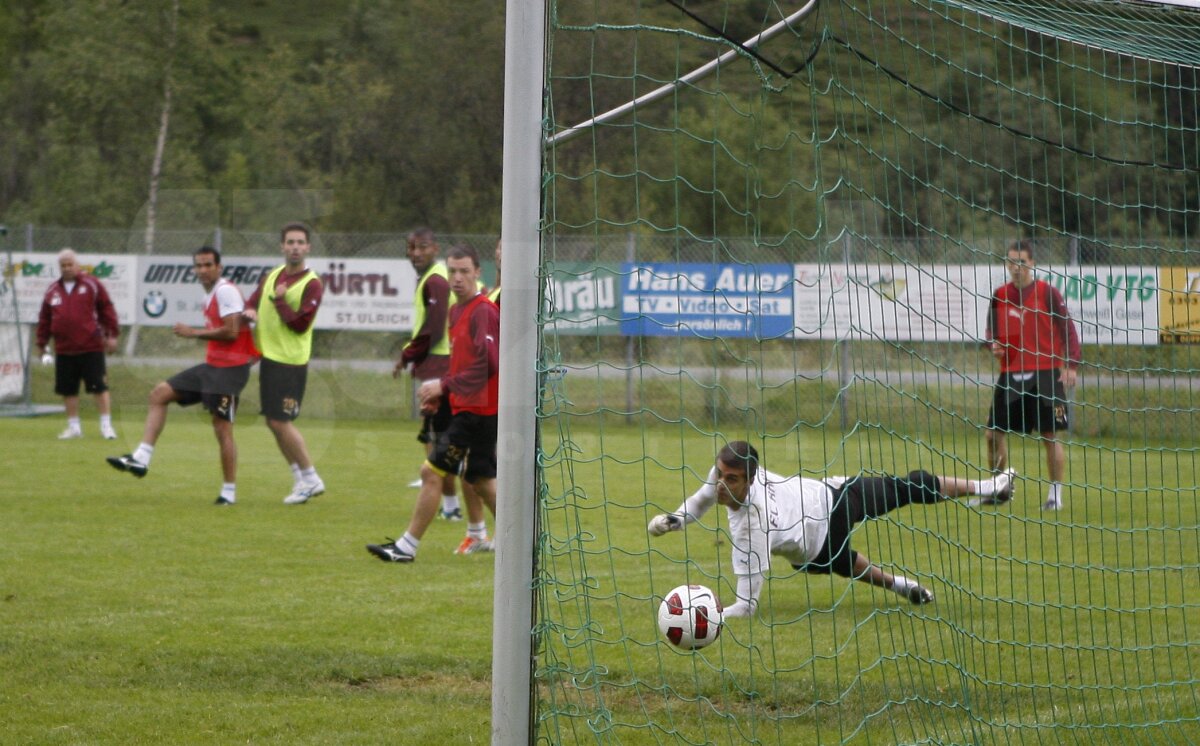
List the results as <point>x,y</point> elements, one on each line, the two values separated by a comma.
<point>281,388</point>
<point>862,498</point>
<point>1036,405</point>
<point>88,367</point>
<point>437,423</point>
<point>470,439</point>
<point>217,388</point>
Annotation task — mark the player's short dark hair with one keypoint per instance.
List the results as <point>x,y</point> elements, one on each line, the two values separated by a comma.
<point>1022,244</point>
<point>295,226</point>
<point>216,255</point>
<point>421,232</point>
<point>740,454</point>
<point>463,251</point>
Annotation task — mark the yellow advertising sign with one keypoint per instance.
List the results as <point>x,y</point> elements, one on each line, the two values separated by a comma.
<point>1179,305</point>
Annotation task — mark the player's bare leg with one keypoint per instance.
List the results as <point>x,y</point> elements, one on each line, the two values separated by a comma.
<point>428,501</point>
<point>1056,463</point>
<point>997,450</point>
<point>156,414</point>
<point>223,429</point>
<point>868,573</point>
<point>291,442</point>
<point>103,403</point>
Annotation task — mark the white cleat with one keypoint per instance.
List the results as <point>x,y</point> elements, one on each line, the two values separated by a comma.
<point>304,491</point>
<point>1002,493</point>
<point>71,433</point>
<point>107,432</point>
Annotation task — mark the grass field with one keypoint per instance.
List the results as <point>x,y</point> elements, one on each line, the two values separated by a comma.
<point>134,611</point>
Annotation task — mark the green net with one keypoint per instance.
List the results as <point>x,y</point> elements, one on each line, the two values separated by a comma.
<point>797,249</point>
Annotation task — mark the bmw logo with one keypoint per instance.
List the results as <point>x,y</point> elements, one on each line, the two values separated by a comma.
<point>154,304</point>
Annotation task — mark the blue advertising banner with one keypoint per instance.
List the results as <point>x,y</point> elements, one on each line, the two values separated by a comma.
<point>706,300</point>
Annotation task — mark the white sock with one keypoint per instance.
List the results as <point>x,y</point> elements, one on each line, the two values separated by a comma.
<point>409,544</point>
<point>143,454</point>
<point>1055,493</point>
<point>106,420</point>
<point>449,503</point>
<point>73,423</point>
<point>229,491</point>
<point>477,530</point>
<point>985,487</point>
<point>310,474</point>
<point>297,476</point>
<point>902,585</point>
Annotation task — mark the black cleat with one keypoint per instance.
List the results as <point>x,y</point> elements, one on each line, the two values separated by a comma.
<point>128,463</point>
<point>390,552</point>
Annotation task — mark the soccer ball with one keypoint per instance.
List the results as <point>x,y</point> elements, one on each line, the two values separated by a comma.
<point>690,617</point>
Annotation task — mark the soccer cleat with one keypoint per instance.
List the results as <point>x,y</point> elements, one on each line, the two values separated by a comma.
<point>416,483</point>
<point>918,595</point>
<point>390,552</point>
<point>452,515</point>
<point>71,433</point>
<point>107,432</point>
<point>1052,505</point>
<point>128,463</point>
<point>1004,492</point>
<point>304,491</point>
<point>222,500</point>
<point>471,545</point>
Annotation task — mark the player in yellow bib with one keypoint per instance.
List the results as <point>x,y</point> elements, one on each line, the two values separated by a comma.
<point>284,307</point>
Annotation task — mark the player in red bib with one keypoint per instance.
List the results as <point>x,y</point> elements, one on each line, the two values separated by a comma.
<point>1031,333</point>
<point>216,383</point>
<point>472,387</point>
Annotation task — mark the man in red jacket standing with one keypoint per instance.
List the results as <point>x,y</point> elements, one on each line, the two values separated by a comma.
<point>1031,333</point>
<point>472,386</point>
<point>79,316</point>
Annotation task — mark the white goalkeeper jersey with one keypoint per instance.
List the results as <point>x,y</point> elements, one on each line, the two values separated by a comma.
<point>788,516</point>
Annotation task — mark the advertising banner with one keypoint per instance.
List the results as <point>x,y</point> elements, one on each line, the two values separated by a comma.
<point>706,300</point>
<point>582,299</point>
<point>32,273</point>
<point>359,294</point>
<point>949,303</point>
<point>1179,305</point>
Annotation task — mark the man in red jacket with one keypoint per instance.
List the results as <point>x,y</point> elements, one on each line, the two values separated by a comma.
<point>472,387</point>
<point>1031,333</point>
<point>79,316</point>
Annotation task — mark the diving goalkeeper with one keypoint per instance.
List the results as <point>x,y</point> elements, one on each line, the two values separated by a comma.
<point>808,521</point>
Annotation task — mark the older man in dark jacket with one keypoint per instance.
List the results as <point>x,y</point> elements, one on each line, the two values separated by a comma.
<point>78,315</point>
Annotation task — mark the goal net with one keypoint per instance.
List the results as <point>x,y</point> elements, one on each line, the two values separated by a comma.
<point>796,248</point>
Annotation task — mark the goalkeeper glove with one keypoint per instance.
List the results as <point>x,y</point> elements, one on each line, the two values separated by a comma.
<point>660,524</point>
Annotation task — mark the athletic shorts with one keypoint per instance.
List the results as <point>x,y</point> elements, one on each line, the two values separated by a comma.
<point>470,439</point>
<point>1036,405</point>
<point>281,389</point>
<point>437,423</point>
<point>88,367</point>
<point>218,389</point>
<point>860,499</point>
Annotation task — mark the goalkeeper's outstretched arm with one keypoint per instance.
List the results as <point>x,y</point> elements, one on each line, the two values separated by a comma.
<point>689,511</point>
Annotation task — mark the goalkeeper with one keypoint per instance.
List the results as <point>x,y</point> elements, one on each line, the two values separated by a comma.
<point>808,521</point>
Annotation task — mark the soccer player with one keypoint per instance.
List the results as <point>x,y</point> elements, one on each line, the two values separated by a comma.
<point>1030,331</point>
<point>79,316</point>
<point>284,305</point>
<point>427,354</point>
<point>472,388</point>
<point>216,383</point>
<point>808,521</point>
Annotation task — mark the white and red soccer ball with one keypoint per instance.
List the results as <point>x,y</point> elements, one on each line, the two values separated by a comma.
<point>690,617</point>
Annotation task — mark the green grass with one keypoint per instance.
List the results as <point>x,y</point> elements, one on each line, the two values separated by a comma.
<point>134,611</point>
